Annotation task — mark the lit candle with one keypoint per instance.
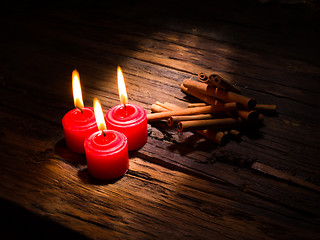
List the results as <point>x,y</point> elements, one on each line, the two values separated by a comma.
<point>106,150</point>
<point>130,119</point>
<point>78,123</point>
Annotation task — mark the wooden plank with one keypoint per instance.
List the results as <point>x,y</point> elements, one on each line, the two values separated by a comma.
<point>164,83</point>
<point>211,167</point>
<point>54,183</point>
<point>209,189</point>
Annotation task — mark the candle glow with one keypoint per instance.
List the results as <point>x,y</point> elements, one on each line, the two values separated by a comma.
<point>122,87</point>
<point>106,150</point>
<point>79,123</point>
<point>99,115</point>
<point>76,88</point>
<point>129,119</point>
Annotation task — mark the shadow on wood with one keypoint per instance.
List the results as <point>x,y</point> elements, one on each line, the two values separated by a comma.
<point>72,158</point>
<point>79,162</point>
<point>19,223</point>
<point>85,177</point>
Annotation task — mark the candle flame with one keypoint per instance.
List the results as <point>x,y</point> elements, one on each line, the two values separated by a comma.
<point>122,87</point>
<point>99,114</point>
<point>76,87</point>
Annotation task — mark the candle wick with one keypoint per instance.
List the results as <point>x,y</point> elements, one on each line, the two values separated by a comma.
<point>104,134</point>
<point>80,109</point>
<point>125,106</point>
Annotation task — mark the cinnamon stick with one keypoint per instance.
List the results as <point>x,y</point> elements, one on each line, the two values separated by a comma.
<point>155,108</point>
<point>250,115</point>
<point>162,105</point>
<point>266,108</point>
<point>226,96</point>
<point>173,120</point>
<point>203,77</point>
<point>224,123</point>
<point>172,106</point>
<point>220,82</point>
<point>192,111</point>
<point>206,98</point>
<point>215,136</point>
<point>191,105</point>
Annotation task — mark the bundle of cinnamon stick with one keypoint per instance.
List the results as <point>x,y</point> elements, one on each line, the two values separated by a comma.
<point>221,113</point>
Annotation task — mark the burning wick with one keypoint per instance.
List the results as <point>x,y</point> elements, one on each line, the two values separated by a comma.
<point>99,116</point>
<point>80,109</point>
<point>122,88</point>
<point>77,94</point>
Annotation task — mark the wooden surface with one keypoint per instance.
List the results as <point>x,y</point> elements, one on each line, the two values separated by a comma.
<point>179,186</point>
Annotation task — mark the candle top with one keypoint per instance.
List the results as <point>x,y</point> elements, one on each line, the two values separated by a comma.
<point>78,121</point>
<point>131,115</point>
<point>110,143</point>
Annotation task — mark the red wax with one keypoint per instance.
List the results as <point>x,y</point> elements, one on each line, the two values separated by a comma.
<point>107,156</point>
<point>131,121</point>
<point>77,127</point>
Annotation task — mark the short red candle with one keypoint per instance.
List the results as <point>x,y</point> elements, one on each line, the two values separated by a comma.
<point>107,156</point>
<point>131,121</point>
<point>77,127</point>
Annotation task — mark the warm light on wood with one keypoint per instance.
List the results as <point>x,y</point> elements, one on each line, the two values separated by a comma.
<point>76,88</point>
<point>99,115</point>
<point>122,87</point>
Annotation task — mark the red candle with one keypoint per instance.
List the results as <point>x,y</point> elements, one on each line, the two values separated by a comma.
<point>77,127</point>
<point>129,119</point>
<point>78,123</point>
<point>106,150</point>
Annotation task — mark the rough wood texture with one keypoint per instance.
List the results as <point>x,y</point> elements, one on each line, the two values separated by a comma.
<point>179,185</point>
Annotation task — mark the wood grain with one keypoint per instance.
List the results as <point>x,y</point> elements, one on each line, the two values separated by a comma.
<point>57,186</point>
<point>179,185</point>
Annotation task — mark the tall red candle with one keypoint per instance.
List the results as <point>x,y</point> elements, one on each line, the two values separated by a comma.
<point>78,123</point>
<point>106,150</point>
<point>129,119</point>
